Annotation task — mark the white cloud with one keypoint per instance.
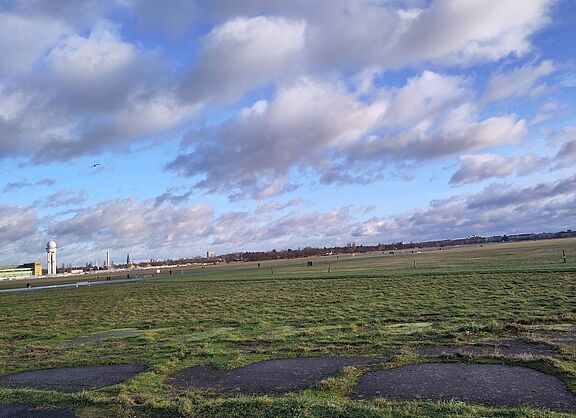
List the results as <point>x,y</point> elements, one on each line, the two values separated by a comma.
<point>22,184</point>
<point>425,96</point>
<point>446,32</point>
<point>560,135</point>
<point>25,124</point>
<point>568,150</point>
<point>475,168</point>
<point>566,156</point>
<point>305,120</point>
<point>443,29</point>
<point>65,197</point>
<point>87,60</point>
<point>131,223</point>
<point>479,167</point>
<point>17,222</point>
<point>100,93</point>
<point>499,196</point>
<point>340,135</point>
<point>465,32</point>
<point>497,209</point>
<point>244,53</point>
<point>19,227</point>
<point>295,38</point>
<point>454,131</point>
<point>12,103</point>
<point>276,206</point>
<point>518,82</point>
<point>97,80</point>
<point>146,115</point>
<point>547,111</point>
<point>25,39</point>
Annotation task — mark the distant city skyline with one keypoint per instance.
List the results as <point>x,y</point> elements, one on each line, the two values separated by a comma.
<point>173,129</point>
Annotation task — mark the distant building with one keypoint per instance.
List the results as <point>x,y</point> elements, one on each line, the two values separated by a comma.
<point>51,251</point>
<point>21,272</point>
<point>209,254</point>
<point>36,268</point>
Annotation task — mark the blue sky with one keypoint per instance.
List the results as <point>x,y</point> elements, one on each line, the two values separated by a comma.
<point>251,125</point>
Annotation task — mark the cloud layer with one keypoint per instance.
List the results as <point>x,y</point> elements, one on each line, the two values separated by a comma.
<point>73,83</point>
<point>340,135</point>
<point>148,230</point>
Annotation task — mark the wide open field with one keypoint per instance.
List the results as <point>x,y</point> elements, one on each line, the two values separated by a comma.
<point>376,305</point>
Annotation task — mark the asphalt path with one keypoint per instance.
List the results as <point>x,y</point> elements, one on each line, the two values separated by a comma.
<point>81,283</point>
<point>147,276</point>
<point>150,276</point>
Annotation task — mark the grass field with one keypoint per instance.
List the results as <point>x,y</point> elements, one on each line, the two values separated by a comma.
<point>370,305</point>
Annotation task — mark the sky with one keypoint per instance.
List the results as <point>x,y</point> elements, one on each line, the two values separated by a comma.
<point>168,128</point>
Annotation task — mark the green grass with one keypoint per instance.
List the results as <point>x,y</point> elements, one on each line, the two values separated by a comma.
<point>374,305</point>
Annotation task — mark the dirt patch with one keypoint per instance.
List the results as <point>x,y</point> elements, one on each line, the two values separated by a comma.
<point>27,411</point>
<point>266,377</point>
<point>516,347</point>
<point>489,384</point>
<point>104,335</point>
<point>72,379</point>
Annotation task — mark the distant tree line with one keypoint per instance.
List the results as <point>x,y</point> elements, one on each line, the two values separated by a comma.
<point>353,248</point>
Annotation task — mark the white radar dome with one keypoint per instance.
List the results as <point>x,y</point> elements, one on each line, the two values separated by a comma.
<point>51,245</point>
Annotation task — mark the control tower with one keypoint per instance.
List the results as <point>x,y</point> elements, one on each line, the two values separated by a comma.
<point>51,250</point>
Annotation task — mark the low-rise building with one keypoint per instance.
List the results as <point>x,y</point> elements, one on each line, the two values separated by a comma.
<point>21,272</point>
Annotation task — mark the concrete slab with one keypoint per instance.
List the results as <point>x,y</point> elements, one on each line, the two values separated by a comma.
<point>489,384</point>
<point>27,411</point>
<point>266,377</point>
<point>72,379</point>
